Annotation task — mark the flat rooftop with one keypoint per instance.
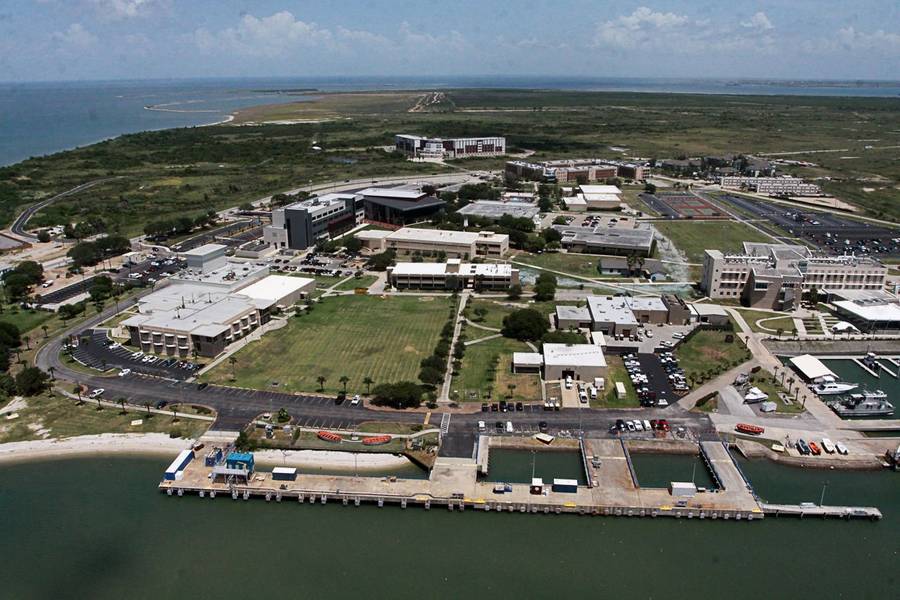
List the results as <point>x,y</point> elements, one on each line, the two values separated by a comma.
<point>600,189</point>
<point>872,311</point>
<point>231,274</point>
<point>573,313</point>
<point>412,234</point>
<point>577,355</point>
<point>611,309</point>
<point>468,269</point>
<point>403,193</point>
<point>275,287</point>
<point>612,237</point>
<point>205,250</point>
<point>494,210</point>
<point>647,303</point>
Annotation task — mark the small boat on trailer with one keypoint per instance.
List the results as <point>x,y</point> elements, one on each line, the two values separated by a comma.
<point>750,429</point>
<point>329,436</point>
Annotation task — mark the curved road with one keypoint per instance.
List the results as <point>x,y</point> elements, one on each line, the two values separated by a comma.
<point>18,226</point>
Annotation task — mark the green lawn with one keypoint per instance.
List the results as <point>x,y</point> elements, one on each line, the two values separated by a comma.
<point>693,237</point>
<point>707,350</point>
<point>24,319</point>
<point>356,282</point>
<point>776,321</point>
<point>356,336</point>
<point>616,372</point>
<point>582,265</point>
<point>486,368</point>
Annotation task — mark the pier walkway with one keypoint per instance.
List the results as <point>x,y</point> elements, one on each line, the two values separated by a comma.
<point>801,510</point>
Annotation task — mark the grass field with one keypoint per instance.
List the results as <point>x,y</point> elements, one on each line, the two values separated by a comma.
<point>776,321</point>
<point>356,282</point>
<point>693,238</point>
<point>356,336</point>
<point>25,320</point>
<point>582,265</point>
<point>486,371</point>
<point>706,350</point>
<point>616,372</point>
<point>60,417</point>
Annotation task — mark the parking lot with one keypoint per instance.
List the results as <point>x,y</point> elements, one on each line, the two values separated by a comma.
<point>97,351</point>
<point>682,205</point>
<point>829,232</point>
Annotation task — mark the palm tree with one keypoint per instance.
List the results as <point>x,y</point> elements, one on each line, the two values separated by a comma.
<point>368,381</point>
<point>45,329</point>
<point>78,391</point>
<point>103,364</point>
<point>779,331</point>
<point>52,370</point>
<point>147,406</point>
<point>511,387</point>
<point>321,379</point>
<point>232,360</point>
<point>344,380</point>
<point>99,406</point>
<point>122,404</point>
<point>174,413</point>
<point>27,341</point>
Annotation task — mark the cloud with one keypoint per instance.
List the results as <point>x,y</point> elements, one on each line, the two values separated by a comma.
<point>851,39</point>
<point>758,21</point>
<point>116,10</point>
<point>673,33</point>
<point>272,36</point>
<point>76,35</point>
<point>630,31</point>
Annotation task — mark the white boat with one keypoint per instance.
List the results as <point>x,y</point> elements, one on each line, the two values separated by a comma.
<point>827,446</point>
<point>833,388</point>
<point>842,449</point>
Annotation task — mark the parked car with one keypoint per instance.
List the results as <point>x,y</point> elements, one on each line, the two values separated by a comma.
<point>96,393</point>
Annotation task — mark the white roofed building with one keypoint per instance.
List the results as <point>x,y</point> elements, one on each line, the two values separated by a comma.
<point>452,275</point>
<point>578,361</point>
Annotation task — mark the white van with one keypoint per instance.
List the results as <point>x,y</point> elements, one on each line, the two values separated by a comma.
<point>593,393</point>
<point>568,382</point>
<point>583,397</point>
<point>481,426</point>
<point>638,425</point>
<point>509,427</point>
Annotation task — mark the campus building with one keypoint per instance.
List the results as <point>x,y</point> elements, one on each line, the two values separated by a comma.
<point>594,197</point>
<point>776,275</point>
<point>558,361</point>
<point>494,210</point>
<point>399,205</point>
<point>431,242</point>
<point>623,315</point>
<point>415,146</point>
<point>606,240</point>
<point>452,275</point>
<point>580,170</point>
<point>201,313</point>
<point>301,225</point>
<point>771,186</point>
<point>874,311</point>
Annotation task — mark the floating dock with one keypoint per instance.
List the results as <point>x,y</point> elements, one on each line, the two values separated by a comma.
<point>802,510</point>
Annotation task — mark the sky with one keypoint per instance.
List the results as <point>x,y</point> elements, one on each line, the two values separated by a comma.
<point>54,40</point>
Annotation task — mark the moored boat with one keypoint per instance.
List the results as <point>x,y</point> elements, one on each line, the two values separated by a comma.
<point>834,388</point>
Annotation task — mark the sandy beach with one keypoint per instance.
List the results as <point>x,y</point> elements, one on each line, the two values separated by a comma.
<point>153,444</point>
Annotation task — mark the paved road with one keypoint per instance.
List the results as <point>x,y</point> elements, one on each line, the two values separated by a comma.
<point>18,226</point>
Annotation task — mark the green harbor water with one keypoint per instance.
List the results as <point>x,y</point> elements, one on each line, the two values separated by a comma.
<point>97,528</point>
<point>659,470</point>
<point>850,371</point>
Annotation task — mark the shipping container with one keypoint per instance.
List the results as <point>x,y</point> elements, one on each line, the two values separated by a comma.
<point>684,489</point>
<point>284,474</point>
<point>569,486</point>
<point>178,465</point>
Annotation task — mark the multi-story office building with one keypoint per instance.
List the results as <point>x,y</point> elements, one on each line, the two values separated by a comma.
<point>775,275</point>
<point>452,275</point>
<point>303,224</point>
<point>583,170</point>
<point>399,205</point>
<point>772,186</point>
<point>430,242</point>
<point>416,146</point>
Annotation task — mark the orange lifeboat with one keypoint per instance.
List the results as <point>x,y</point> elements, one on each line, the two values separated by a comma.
<point>378,439</point>
<point>751,429</point>
<point>329,436</point>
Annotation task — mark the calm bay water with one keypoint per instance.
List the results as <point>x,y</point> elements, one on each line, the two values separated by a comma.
<point>97,528</point>
<point>41,118</point>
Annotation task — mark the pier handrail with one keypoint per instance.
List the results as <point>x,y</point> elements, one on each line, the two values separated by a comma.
<point>628,462</point>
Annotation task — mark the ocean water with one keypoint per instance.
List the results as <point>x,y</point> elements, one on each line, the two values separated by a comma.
<point>42,118</point>
<point>98,528</point>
